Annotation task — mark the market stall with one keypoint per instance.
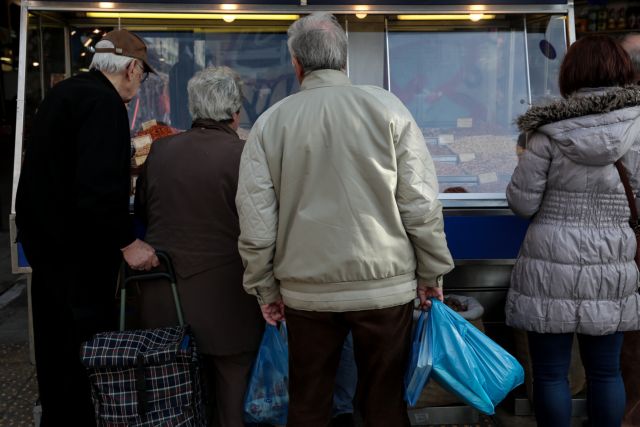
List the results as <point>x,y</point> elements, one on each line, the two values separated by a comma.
<point>464,69</point>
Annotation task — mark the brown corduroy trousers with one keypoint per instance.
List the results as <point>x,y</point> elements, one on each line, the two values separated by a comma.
<point>381,342</point>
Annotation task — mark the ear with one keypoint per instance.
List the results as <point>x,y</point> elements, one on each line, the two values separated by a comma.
<point>299,69</point>
<point>131,68</point>
<point>235,124</point>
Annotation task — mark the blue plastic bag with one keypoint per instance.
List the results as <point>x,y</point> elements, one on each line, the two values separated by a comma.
<point>468,363</point>
<point>267,397</point>
<point>420,361</point>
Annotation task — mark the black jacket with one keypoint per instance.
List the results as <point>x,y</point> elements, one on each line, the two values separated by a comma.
<point>74,186</point>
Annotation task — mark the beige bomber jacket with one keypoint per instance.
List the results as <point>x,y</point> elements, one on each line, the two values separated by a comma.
<point>337,200</point>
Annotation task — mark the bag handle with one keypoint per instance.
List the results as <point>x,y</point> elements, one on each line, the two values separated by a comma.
<point>631,199</point>
<point>129,276</point>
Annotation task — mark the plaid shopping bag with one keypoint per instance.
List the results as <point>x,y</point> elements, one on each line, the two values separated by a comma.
<point>145,378</point>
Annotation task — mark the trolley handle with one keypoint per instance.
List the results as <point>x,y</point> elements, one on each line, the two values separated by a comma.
<point>129,276</point>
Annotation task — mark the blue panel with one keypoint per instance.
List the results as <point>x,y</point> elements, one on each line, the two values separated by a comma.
<point>485,237</point>
<point>22,259</point>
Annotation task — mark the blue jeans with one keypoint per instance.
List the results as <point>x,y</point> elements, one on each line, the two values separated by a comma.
<point>346,380</point>
<point>551,356</point>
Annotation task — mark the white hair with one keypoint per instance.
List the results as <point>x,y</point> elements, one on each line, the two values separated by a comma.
<point>318,42</point>
<point>215,93</point>
<point>109,62</point>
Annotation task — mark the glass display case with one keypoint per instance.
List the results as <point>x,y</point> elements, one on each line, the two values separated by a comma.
<point>465,71</point>
<point>464,80</point>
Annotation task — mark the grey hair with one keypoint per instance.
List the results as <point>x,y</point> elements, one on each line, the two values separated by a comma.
<point>318,42</point>
<point>215,93</point>
<point>109,62</point>
<point>633,49</point>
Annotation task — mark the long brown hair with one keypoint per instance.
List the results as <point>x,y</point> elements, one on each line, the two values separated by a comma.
<point>595,61</point>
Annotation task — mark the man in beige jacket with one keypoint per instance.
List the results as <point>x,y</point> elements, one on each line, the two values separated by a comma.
<point>340,226</point>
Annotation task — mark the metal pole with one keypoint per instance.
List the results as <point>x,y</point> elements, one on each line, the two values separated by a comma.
<point>572,22</point>
<point>346,30</point>
<point>67,52</point>
<point>387,53</point>
<point>526,58</point>
<point>22,69</point>
<point>41,57</point>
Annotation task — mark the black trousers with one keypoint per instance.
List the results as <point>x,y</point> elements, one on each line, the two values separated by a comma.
<point>69,306</point>
<point>381,344</point>
<point>225,379</point>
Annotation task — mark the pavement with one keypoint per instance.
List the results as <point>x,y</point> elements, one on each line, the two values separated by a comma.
<point>18,387</point>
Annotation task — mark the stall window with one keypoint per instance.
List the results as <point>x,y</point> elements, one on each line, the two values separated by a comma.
<point>257,52</point>
<point>465,84</point>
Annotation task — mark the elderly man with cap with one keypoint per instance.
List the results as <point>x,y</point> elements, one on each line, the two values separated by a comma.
<point>72,214</point>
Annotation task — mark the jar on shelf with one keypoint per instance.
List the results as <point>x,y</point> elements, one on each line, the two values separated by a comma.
<point>612,19</point>
<point>592,24</point>
<point>622,19</point>
<point>602,19</point>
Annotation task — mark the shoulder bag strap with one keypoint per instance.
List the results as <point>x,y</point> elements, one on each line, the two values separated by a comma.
<point>629,192</point>
<point>633,221</point>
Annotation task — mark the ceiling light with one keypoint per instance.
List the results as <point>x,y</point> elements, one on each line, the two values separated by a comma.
<point>153,15</point>
<point>73,32</point>
<point>229,18</point>
<point>36,64</point>
<point>96,31</point>
<point>461,17</point>
<point>83,53</point>
<point>361,15</point>
<point>106,5</point>
<point>229,6</point>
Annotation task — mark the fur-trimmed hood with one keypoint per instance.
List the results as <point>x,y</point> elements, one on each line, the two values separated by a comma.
<point>593,126</point>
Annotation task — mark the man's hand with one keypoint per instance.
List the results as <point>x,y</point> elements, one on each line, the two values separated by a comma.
<point>140,256</point>
<point>273,312</point>
<point>426,291</point>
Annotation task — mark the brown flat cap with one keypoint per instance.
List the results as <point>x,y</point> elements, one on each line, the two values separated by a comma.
<point>128,44</point>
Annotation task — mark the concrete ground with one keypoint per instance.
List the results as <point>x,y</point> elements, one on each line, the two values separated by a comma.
<point>18,389</point>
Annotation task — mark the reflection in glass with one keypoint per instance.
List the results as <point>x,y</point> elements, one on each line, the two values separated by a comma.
<point>465,88</point>
<point>260,57</point>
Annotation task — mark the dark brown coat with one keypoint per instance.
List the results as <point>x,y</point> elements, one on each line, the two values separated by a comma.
<point>186,194</point>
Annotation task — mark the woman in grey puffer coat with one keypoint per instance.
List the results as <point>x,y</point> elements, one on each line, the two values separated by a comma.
<point>576,272</point>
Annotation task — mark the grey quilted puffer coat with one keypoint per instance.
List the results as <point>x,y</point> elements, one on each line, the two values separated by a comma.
<point>576,270</point>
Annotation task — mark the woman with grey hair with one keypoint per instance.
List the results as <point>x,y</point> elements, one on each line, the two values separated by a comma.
<point>185,196</point>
